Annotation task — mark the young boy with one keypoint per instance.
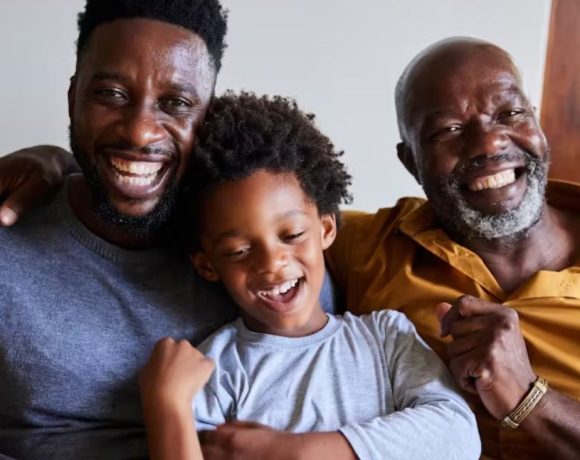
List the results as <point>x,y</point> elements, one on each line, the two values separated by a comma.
<point>268,186</point>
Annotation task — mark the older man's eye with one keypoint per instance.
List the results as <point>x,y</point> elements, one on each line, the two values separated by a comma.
<point>511,115</point>
<point>445,132</point>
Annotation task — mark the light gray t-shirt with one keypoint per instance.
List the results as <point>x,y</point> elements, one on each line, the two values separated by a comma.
<point>371,377</point>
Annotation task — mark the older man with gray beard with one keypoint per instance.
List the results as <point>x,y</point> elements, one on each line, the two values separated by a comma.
<point>487,268</point>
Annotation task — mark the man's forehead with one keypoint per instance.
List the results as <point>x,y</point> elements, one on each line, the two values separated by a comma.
<point>438,87</point>
<point>147,40</point>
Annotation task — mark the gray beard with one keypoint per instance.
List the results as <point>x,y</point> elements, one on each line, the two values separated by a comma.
<point>467,223</point>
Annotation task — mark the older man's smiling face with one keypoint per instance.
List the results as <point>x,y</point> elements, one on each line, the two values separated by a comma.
<point>141,88</point>
<point>478,149</point>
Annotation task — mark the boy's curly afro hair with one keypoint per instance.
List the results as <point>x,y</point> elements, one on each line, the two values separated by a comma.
<point>244,133</point>
<point>205,18</point>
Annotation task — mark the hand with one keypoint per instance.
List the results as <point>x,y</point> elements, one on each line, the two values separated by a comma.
<point>29,175</point>
<point>174,374</point>
<point>488,355</point>
<point>249,440</point>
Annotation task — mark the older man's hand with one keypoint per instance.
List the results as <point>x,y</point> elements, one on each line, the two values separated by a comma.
<point>488,355</point>
<point>28,176</point>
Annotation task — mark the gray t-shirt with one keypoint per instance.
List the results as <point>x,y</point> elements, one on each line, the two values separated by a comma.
<point>78,319</point>
<point>371,377</point>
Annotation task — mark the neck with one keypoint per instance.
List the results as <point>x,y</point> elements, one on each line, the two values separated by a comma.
<point>315,323</point>
<point>550,244</point>
<point>83,206</point>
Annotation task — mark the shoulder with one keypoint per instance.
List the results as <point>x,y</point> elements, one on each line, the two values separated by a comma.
<point>221,342</point>
<point>382,320</point>
<point>357,220</point>
<point>381,324</point>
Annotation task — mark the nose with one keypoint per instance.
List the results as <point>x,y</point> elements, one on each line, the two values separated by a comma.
<point>270,259</point>
<point>140,126</point>
<point>487,140</point>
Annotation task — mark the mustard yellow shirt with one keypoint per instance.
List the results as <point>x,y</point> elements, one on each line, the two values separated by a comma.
<point>399,258</point>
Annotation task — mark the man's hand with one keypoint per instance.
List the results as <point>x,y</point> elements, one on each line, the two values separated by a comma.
<point>174,374</point>
<point>28,176</point>
<point>488,355</point>
<point>252,441</point>
<point>248,440</point>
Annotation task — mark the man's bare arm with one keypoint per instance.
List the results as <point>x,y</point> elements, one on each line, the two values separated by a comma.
<point>28,176</point>
<point>488,357</point>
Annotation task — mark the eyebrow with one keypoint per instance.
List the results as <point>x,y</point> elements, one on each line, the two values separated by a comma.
<point>175,86</point>
<point>99,76</point>
<point>277,217</point>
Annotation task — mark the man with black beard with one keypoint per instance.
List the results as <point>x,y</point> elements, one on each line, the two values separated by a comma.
<point>89,282</point>
<point>487,269</point>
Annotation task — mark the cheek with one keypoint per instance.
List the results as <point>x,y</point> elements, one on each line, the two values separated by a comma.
<point>533,139</point>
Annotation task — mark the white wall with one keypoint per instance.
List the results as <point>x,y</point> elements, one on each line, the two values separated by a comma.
<point>339,58</point>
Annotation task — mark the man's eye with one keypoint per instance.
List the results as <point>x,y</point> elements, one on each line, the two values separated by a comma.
<point>446,131</point>
<point>177,103</point>
<point>111,93</point>
<point>510,115</point>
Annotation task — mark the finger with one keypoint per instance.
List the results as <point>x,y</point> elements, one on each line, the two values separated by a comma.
<point>210,437</point>
<point>469,306</point>
<point>465,344</point>
<point>238,424</point>
<point>214,452</point>
<point>19,200</point>
<point>447,314</point>
<point>442,309</point>
<point>468,368</point>
<point>463,327</point>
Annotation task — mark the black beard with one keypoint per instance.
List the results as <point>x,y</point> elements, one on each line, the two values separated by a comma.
<point>150,225</point>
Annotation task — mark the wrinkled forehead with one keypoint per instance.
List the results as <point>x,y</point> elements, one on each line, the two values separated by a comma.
<point>453,77</point>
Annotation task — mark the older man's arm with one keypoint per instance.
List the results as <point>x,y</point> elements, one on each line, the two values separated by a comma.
<point>488,357</point>
<point>28,176</point>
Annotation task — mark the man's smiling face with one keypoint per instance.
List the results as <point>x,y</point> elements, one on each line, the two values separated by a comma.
<point>141,88</point>
<point>476,144</point>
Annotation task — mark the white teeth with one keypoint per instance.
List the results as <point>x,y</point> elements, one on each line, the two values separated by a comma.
<point>136,180</point>
<point>141,168</point>
<point>498,180</point>
<point>280,289</point>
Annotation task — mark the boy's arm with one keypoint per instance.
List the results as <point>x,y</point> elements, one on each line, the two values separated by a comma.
<point>28,176</point>
<point>171,434</point>
<point>174,374</point>
<point>432,420</point>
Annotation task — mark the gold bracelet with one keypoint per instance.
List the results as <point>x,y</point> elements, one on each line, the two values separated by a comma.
<point>523,409</point>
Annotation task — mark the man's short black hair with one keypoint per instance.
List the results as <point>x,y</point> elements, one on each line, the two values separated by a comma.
<point>205,18</point>
<point>244,133</point>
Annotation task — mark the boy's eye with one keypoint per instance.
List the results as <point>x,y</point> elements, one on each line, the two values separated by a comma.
<point>236,253</point>
<point>294,236</point>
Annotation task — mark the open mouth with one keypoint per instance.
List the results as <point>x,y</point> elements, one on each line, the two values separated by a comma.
<point>495,181</point>
<point>281,296</point>
<point>138,173</point>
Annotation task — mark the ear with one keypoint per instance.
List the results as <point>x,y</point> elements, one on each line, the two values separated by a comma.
<point>328,230</point>
<point>203,267</point>
<point>71,95</point>
<point>408,159</point>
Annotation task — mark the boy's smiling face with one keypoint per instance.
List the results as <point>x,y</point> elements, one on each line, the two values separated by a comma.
<point>264,239</point>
